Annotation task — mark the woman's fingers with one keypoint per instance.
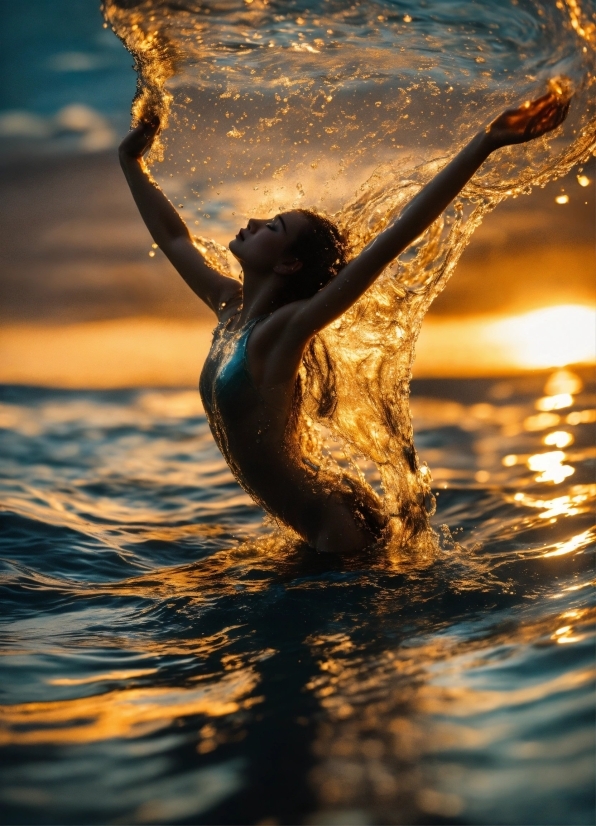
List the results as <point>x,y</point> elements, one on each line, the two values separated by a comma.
<point>537,117</point>
<point>531,120</point>
<point>151,125</point>
<point>147,125</point>
<point>552,116</point>
<point>544,107</point>
<point>545,100</point>
<point>563,111</point>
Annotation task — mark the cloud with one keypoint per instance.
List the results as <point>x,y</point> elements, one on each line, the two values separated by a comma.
<point>77,126</point>
<point>76,62</point>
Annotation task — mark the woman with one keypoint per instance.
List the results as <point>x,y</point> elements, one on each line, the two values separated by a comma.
<point>296,281</point>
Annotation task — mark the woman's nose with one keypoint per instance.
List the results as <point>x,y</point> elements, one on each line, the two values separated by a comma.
<point>254,224</point>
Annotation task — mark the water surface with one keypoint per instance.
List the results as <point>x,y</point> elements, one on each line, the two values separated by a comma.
<point>167,658</point>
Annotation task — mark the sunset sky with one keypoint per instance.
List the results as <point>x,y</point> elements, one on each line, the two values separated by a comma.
<point>87,301</point>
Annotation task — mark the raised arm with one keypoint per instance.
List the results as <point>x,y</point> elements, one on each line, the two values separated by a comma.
<point>514,126</point>
<point>165,225</point>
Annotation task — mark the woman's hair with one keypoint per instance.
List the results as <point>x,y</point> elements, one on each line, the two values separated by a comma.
<point>323,251</point>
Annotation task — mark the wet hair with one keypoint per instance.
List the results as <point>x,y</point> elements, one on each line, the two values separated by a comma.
<point>322,249</point>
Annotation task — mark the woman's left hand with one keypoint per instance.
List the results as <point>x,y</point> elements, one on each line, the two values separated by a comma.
<point>140,139</point>
<point>531,120</point>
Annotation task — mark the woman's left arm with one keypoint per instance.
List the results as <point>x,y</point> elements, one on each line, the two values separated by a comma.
<point>514,126</point>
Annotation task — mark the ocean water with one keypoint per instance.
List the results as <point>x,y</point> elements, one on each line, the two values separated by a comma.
<point>168,658</point>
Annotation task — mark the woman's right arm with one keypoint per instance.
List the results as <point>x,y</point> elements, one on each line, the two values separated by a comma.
<point>168,230</point>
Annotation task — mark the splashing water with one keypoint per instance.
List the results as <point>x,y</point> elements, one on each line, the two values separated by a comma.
<point>267,106</point>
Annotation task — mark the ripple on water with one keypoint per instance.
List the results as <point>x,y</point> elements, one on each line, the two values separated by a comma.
<point>166,656</point>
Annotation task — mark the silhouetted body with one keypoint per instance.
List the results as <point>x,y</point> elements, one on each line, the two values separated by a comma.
<point>256,431</point>
<point>297,280</point>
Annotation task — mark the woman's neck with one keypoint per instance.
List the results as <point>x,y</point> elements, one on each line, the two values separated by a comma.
<point>261,297</point>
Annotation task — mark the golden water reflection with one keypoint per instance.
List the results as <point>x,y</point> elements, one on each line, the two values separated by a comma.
<point>558,438</point>
<point>558,402</point>
<point>563,381</point>
<point>541,421</point>
<point>576,543</point>
<point>581,417</point>
<point>551,466</point>
<point>560,389</point>
<point>383,714</point>
<point>568,633</point>
<point>131,712</point>
<point>100,678</point>
<point>580,500</point>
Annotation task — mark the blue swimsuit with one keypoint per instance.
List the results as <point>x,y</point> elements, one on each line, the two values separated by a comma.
<point>228,392</point>
<point>225,383</point>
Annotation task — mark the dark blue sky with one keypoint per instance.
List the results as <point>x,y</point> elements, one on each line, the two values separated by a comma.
<point>56,52</point>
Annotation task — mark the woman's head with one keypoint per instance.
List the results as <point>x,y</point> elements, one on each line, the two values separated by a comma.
<point>322,250</point>
<point>301,246</point>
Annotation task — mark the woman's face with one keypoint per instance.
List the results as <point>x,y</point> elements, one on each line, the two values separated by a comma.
<point>263,245</point>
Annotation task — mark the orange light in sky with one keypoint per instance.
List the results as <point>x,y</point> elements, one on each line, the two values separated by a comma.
<point>551,337</point>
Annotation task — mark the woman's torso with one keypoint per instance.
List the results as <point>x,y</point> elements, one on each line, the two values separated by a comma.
<point>256,431</point>
<point>254,428</point>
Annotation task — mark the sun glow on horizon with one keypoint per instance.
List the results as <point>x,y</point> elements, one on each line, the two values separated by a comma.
<point>549,337</point>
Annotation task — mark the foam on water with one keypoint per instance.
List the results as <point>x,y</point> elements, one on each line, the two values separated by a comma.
<point>270,105</point>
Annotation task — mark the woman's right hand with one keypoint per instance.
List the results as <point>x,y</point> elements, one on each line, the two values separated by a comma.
<point>140,139</point>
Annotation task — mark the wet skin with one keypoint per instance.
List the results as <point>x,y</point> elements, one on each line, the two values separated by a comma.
<point>261,442</point>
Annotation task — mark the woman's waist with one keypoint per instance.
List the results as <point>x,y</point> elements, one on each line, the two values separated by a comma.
<point>258,457</point>
<point>262,453</point>
<point>257,433</point>
<point>285,483</point>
